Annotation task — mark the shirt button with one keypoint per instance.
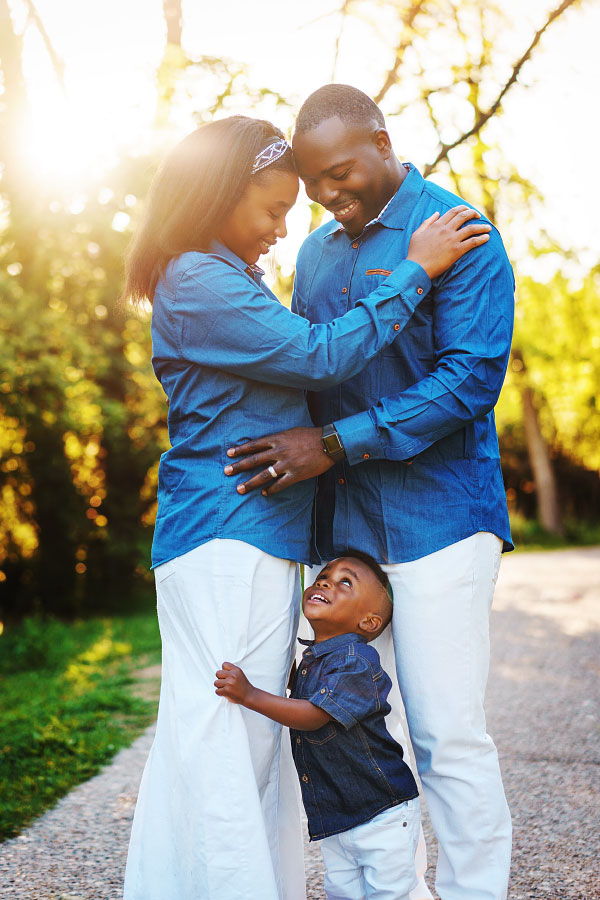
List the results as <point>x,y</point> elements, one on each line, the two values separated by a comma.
<point>341,481</point>
<point>297,740</point>
<point>303,672</point>
<point>305,777</point>
<point>355,246</point>
<point>323,690</point>
<point>366,456</point>
<point>396,327</point>
<point>344,290</point>
<point>419,290</point>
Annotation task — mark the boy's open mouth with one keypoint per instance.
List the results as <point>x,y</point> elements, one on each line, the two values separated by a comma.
<point>318,598</point>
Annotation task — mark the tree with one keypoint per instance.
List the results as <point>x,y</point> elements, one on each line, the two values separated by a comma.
<point>81,411</point>
<point>460,96</point>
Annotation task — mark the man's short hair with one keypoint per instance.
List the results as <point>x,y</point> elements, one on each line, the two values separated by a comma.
<point>349,104</point>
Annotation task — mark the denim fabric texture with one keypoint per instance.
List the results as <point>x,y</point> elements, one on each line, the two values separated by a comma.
<point>417,423</point>
<point>233,363</point>
<point>351,768</point>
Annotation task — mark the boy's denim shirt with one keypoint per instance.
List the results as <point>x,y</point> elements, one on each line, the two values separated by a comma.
<point>351,768</point>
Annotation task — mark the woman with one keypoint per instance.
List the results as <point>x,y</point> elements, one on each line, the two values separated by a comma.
<point>215,818</point>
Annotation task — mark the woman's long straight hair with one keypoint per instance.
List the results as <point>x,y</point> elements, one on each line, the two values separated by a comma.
<point>194,191</point>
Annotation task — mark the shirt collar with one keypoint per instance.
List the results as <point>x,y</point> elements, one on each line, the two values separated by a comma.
<point>396,212</point>
<point>254,271</point>
<point>320,648</point>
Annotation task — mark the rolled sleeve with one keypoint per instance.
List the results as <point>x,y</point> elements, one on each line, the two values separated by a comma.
<point>360,437</point>
<point>411,281</point>
<point>349,694</point>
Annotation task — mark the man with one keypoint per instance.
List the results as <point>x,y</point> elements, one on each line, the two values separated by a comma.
<point>411,469</point>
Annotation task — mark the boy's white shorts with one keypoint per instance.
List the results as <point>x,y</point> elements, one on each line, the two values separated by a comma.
<point>375,860</point>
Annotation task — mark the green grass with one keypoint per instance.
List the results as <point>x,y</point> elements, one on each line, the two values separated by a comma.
<point>68,703</point>
<point>528,535</point>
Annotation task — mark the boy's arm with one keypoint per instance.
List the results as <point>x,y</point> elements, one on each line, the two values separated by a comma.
<point>299,714</point>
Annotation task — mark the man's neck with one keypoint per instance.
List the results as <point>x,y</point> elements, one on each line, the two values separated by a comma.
<point>398,173</point>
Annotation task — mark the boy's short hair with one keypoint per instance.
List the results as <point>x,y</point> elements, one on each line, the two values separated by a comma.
<point>386,605</point>
<point>374,566</point>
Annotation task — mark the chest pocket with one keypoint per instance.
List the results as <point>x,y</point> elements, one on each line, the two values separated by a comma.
<point>323,734</point>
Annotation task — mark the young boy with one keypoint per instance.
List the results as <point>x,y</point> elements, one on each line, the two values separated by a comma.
<point>359,795</point>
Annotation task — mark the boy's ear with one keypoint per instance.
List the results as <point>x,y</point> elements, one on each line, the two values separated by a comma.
<point>370,623</point>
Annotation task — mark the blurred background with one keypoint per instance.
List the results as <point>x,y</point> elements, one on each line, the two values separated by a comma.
<point>493,101</point>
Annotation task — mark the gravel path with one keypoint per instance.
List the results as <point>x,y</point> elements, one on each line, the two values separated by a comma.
<point>542,712</point>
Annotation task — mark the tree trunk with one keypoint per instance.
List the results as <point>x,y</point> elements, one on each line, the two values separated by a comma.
<point>549,514</point>
<point>173,17</point>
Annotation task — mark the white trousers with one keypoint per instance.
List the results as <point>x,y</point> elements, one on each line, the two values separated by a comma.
<point>375,860</point>
<point>439,646</point>
<point>217,816</point>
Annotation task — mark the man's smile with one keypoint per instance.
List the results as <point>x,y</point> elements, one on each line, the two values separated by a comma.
<point>345,211</point>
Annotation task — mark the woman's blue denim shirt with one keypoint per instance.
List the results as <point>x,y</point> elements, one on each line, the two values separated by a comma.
<point>233,363</point>
<point>351,768</point>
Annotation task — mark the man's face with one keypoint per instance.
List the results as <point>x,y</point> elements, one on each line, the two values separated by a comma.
<point>346,169</point>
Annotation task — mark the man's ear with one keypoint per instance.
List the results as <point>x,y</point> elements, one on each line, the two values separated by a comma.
<point>370,623</point>
<point>383,142</point>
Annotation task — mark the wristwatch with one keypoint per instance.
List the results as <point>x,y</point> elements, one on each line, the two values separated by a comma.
<point>332,444</point>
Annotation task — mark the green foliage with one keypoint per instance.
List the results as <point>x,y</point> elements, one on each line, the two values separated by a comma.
<point>82,414</point>
<point>67,706</point>
<point>558,330</point>
<point>528,535</point>
<point>557,333</point>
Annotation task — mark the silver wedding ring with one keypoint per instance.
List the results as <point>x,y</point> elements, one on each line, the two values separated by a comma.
<point>272,472</point>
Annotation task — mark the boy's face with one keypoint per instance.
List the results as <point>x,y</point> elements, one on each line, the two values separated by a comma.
<point>346,597</point>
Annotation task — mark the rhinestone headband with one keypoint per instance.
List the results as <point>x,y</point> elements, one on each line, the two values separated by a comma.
<point>269,155</point>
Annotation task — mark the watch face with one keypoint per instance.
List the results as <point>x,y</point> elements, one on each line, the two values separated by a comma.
<point>332,443</point>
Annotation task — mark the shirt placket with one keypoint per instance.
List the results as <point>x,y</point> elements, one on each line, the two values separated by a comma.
<point>341,515</point>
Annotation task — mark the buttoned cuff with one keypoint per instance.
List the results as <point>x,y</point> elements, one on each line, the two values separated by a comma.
<point>325,700</point>
<point>360,438</point>
<point>410,280</point>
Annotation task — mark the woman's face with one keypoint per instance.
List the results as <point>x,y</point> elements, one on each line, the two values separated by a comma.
<point>259,218</point>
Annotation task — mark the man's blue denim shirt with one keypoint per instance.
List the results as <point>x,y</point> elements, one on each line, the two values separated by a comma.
<point>233,363</point>
<point>417,423</point>
<point>351,768</point>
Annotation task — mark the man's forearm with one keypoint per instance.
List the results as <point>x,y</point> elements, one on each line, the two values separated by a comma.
<point>299,714</point>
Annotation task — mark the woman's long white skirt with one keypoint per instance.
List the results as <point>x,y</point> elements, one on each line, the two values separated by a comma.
<point>217,816</point>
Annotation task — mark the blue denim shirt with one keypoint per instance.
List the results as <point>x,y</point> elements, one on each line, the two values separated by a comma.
<point>351,768</point>
<point>233,363</point>
<point>423,466</point>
